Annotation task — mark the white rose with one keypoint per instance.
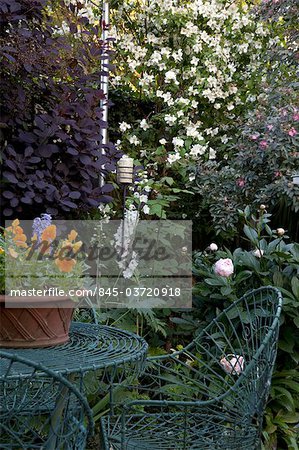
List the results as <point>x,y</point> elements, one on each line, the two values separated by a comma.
<point>213,247</point>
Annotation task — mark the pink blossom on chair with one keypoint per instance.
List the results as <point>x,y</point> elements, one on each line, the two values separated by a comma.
<point>234,364</point>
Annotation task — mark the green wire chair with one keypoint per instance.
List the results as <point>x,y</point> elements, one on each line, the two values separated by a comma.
<point>40,409</point>
<point>210,395</point>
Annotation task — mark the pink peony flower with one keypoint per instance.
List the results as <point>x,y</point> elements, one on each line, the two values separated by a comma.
<point>296,117</point>
<point>254,137</point>
<point>277,173</point>
<point>234,364</point>
<point>292,132</point>
<point>263,144</point>
<point>224,267</point>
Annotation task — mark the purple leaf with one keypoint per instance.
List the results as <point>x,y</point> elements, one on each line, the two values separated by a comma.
<point>7,212</point>
<point>47,150</point>
<point>14,202</point>
<point>11,164</point>
<point>75,194</point>
<point>8,194</point>
<point>34,160</point>
<point>85,159</point>
<point>107,188</point>
<point>69,204</point>
<point>72,151</point>
<point>28,152</point>
<point>26,200</point>
<point>10,177</point>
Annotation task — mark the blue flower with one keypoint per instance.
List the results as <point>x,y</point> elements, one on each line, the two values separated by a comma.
<point>40,224</point>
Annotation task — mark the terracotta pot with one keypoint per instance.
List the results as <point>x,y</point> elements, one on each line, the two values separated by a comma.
<point>34,326</point>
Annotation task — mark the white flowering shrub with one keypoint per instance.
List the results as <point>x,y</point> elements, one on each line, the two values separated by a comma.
<point>197,65</point>
<point>196,61</point>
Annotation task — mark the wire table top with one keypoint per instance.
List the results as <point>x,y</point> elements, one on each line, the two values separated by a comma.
<point>91,348</point>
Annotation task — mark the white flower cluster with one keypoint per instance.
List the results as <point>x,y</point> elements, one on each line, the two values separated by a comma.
<point>128,258</point>
<point>187,59</point>
<point>86,8</point>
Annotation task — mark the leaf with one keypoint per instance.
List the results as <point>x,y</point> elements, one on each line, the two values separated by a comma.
<point>277,279</point>
<point>286,346</point>
<point>8,194</point>
<point>47,150</point>
<point>244,275</point>
<point>215,281</point>
<point>10,177</point>
<point>251,234</point>
<point>168,180</point>
<point>226,290</point>
<point>107,188</point>
<point>295,286</point>
<point>75,194</point>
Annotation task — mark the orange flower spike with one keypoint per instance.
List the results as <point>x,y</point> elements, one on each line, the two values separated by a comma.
<point>15,223</point>
<point>12,252</point>
<point>72,235</point>
<point>18,230</point>
<point>65,265</point>
<point>20,240</point>
<point>49,233</point>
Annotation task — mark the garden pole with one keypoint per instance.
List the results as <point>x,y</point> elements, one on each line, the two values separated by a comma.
<point>104,78</point>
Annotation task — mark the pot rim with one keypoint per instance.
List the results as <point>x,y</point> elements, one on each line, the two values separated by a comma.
<point>26,302</point>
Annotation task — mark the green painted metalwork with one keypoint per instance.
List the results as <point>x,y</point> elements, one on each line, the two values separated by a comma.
<point>91,348</point>
<point>38,386</point>
<point>41,410</point>
<point>211,394</point>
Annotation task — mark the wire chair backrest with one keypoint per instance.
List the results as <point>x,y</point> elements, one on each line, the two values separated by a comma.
<point>234,354</point>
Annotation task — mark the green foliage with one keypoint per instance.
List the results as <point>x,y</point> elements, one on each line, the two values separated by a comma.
<point>268,260</point>
<point>261,169</point>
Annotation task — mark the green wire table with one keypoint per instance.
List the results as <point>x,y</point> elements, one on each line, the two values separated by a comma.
<point>108,351</point>
<point>45,386</point>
